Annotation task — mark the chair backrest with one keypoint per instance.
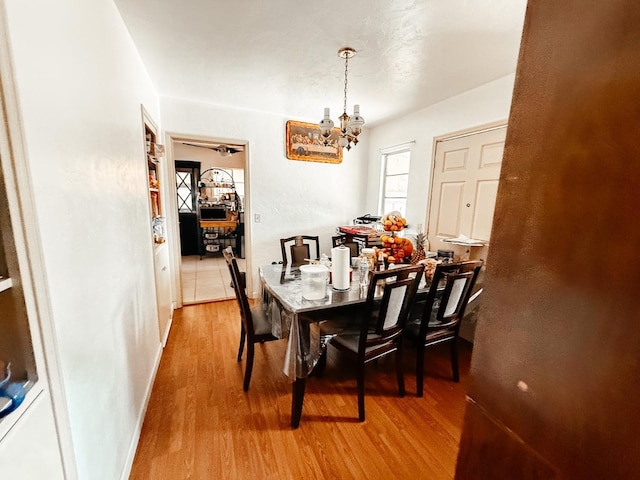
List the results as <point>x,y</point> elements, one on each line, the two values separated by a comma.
<point>386,317</point>
<point>228,255</point>
<point>449,303</point>
<point>237,279</point>
<point>296,249</point>
<point>355,242</point>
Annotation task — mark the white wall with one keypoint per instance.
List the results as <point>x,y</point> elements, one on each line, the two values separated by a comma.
<point>486,104</point>
<point>80,85</point>
<point>292,197</point>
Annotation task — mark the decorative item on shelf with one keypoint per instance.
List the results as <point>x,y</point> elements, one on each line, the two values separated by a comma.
<point>157,150</point>
<point>153,182</point>
<point>158,230</point>
<point>155,203</point>
<point>350,127</point>
<point>14,391</point>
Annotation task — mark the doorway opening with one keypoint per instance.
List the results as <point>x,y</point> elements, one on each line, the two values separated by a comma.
<point>210,201</point>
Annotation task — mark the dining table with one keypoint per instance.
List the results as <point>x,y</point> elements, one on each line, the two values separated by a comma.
<point>302,322</point>
<point>299,320</point>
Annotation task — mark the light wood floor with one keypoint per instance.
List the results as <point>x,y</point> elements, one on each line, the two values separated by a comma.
<point>201,425</point>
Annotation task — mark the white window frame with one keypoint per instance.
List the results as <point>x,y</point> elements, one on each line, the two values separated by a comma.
<point>385,153</point>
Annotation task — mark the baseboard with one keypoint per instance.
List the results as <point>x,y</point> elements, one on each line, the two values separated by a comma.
<point>126,471</point>
<point>167,330</point>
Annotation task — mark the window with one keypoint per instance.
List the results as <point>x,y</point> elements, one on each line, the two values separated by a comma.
<point>395,181</point>
<point>187,173</point>
<point>184,183</point>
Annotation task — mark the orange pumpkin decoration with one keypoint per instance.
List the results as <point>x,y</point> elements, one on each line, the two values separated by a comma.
<point>408,248</point>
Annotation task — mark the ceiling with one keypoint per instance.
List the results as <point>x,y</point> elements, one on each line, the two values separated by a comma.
<point>281,56</point>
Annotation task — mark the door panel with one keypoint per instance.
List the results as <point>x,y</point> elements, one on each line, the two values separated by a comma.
<point>455,160</point>
<point>491,155</point>
<point>450,200</point>
<point>486,191</point>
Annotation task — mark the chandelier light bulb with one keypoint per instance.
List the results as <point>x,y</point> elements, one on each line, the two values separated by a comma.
<point>356,122</point>
<point>344,122</point>
<point>326,125</point>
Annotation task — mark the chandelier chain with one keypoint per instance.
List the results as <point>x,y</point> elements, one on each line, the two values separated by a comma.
<point>346,72</point>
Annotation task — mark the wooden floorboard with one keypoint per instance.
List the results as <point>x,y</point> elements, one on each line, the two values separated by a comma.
<point>201,425</point>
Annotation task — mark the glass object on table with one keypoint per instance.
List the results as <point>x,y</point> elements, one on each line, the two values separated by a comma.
<point>363,271</point>
<point>314,281</point>
<point>370,255</point>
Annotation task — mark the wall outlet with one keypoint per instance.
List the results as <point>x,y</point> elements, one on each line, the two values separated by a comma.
<point>256,218</point>
<point>419,229</point>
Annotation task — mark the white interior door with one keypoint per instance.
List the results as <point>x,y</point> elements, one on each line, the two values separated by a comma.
<point>464,187</point>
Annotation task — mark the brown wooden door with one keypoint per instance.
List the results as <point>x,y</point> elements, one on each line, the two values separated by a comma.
<point>556,357</point>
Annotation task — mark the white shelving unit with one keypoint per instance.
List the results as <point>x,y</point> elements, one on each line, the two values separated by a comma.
<point>154,157</point>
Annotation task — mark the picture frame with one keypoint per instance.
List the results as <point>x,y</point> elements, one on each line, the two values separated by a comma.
<point>303,143</point>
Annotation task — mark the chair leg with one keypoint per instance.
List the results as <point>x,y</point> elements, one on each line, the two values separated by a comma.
<point>420,370</point>
<point>400,372</point>
<point>249,367</point>
<point>242,339</point>
<point>360,375</point>
<point>454,360</point>
<point>321,365</point>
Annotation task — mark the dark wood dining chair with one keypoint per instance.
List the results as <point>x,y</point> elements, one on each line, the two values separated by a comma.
<point>255,327</point>
<point>441,312</point>
<point>382,323</point>
<point>296,249</point>
<point>355,242</point>
<point>228,255</point>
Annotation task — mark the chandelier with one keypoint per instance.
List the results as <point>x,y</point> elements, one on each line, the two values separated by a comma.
<point>350,127</point>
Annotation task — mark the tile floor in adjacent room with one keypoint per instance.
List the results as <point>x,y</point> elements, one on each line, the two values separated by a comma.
<point>206,280</point>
